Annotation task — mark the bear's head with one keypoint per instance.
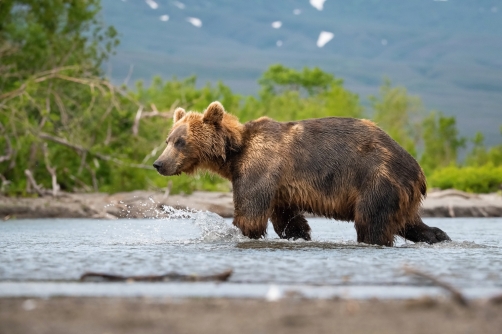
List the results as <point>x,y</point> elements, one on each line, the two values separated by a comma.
<point>200,141</point>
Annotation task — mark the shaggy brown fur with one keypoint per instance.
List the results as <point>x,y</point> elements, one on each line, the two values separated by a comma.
<point>340,168</point>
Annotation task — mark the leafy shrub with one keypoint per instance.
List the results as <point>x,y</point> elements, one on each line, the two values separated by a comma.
<point>483,179</point>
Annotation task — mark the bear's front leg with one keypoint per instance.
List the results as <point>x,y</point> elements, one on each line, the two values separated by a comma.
<point>252,202</point>
<point>251,227</point>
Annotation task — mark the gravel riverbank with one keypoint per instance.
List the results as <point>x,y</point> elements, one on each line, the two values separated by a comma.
<point>149,204</point>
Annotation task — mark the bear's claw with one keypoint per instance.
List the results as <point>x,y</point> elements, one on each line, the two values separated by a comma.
<point>439,235</point>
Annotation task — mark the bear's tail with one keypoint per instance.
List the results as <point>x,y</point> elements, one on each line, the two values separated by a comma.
<point>423,185</point>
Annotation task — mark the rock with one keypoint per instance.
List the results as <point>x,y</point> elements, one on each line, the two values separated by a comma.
<point>455,203</point>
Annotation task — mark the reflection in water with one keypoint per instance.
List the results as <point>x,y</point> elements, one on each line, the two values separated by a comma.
<point>294,245</point>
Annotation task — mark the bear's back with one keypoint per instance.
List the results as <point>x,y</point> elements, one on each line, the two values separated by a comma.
<point>331,141</point>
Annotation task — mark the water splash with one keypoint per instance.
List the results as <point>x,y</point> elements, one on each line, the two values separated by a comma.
<point>173,213</point>
<point>214,228</point>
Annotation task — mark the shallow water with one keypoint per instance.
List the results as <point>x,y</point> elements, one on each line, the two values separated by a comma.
<point>51,254</point>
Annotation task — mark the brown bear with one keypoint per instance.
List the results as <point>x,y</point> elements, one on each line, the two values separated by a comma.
<point>341,168</point>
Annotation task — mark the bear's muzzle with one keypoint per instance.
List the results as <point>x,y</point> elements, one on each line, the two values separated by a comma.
<point>165,168</point>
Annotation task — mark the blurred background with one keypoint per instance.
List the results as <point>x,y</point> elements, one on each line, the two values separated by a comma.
<point>87,88</point>
<point>447,52</point>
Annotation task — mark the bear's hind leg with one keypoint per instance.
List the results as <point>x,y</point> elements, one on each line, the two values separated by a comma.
<point>374,231</point>
<point>290,224</point>
<point>417,231</point>
<point>377,214</point>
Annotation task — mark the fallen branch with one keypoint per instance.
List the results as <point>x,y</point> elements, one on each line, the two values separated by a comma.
<point>51,170</point>
<point>33,183</point>
<point>92,276</point>
<point>456,294</point>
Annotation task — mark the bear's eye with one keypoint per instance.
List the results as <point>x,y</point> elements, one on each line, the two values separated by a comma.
<point>179,143</point>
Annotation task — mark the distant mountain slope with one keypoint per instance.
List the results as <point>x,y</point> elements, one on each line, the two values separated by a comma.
<point>448,52</point>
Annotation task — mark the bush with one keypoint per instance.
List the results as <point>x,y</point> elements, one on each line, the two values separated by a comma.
<point>484,179</point>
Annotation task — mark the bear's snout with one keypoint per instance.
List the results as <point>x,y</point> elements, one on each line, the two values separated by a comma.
<point>157,165</point>
<point>166,167</point>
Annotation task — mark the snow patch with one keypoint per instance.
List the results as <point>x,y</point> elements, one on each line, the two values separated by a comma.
<point>324,37</point>
<point>152,4</point>
<point>195,21</point>
<point>276,24</point>
<point>318,4</point>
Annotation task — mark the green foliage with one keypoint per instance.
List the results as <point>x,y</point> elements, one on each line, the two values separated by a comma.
<point>47,34</point>
<point>482,172</point>
<point>484,179</point>
<point>51,52</point>
<point>279,78</point>
<point>184,93</point>
<point>287,95</point>
<point>480,155</point>
<point>441,141</point>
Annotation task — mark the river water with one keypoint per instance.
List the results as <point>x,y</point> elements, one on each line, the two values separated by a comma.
<point>46,257</point>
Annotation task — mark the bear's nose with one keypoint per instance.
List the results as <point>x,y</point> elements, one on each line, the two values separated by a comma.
<point>157,165</point>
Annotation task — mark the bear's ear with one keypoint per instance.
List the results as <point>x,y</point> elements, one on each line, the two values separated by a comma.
<point>178,114</point>
<point>214,113</point>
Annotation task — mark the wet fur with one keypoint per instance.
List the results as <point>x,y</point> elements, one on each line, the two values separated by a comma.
<point>341,168</point>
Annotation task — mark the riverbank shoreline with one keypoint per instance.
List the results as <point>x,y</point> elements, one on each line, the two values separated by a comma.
<point>76,315</point>
<point>151,204</point>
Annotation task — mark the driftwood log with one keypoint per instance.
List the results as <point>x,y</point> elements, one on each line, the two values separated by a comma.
<point>169,277</point>
<point>456,295</point>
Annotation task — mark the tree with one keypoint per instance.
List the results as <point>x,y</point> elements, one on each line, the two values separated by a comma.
<point>48,34</point>
<point>481,156</point>
<point>441,141</point>
<point>399,115</point>
<point>288,94</point>
<point>53,101</point>
<point>279,78</point>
